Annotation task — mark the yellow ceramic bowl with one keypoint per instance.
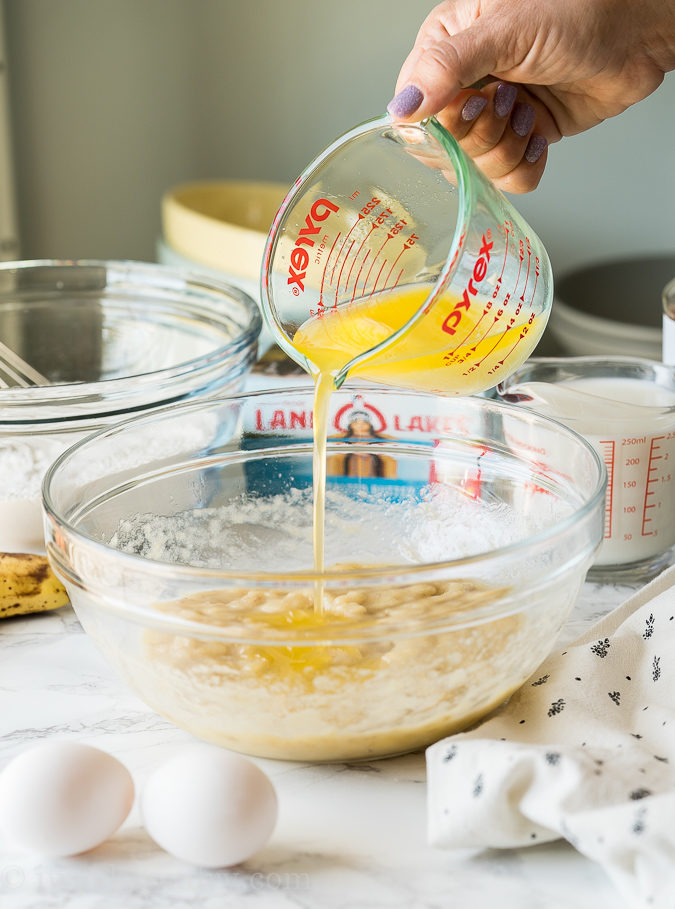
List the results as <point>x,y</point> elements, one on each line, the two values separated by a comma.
<point>222,224</point>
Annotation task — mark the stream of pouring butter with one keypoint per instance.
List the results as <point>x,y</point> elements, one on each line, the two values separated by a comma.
<point>324,384</point>
<point>330,340</point>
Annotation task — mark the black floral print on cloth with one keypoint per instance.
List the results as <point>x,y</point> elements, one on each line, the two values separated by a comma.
<point>649,627</point>
<point>584,751</point>
<point>639,794</point>
<point>601,648</point>
<point>451,752</point>
<point>556,707</point>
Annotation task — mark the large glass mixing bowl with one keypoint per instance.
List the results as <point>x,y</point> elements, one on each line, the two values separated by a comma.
<point>454,551</point>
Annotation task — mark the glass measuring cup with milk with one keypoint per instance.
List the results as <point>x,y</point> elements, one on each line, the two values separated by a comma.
<point>393,259</point>
<point>626,408</point>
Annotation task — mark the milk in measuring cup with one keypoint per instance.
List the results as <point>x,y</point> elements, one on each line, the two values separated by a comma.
<point>631,423</point>
<point>638,448</point>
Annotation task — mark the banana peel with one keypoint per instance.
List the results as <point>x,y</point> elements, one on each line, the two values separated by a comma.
<point>27,584</point>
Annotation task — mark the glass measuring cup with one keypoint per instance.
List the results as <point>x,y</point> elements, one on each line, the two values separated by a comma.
<point>625,407</point>
<point>394,259</point>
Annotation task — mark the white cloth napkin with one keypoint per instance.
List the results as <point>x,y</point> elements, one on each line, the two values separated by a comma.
<point>585,750</point>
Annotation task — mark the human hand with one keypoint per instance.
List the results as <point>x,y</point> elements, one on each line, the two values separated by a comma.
<point>553,69</point>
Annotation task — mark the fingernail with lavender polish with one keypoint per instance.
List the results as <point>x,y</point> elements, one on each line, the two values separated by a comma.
<point>522,119</point>
<point>535,148</point>
<point>474,106</point>
<point>406,102</point>
<point>505,98</point>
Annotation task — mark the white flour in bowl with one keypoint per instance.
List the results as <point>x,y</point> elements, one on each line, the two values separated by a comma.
<point>410,531</point>
<point>23,464</point>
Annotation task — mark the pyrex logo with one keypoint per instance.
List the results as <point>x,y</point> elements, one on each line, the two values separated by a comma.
<point>454,317</point>
<point>299,255</point>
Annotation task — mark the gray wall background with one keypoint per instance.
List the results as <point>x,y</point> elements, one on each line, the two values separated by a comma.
<point>114,101</point>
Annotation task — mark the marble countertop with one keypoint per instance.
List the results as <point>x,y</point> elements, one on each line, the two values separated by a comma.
<point>349,835</point>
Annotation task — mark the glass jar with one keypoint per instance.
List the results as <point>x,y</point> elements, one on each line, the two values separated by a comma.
<point>625,407</point>
<point>669,323</point>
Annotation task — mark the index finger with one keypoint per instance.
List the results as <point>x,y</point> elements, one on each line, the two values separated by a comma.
<point>442,63</point>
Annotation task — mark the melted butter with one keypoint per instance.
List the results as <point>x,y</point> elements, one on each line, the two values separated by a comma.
<point>433,355</point>
<point>308,660</point>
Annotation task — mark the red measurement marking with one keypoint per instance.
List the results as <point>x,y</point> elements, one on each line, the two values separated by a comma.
<point>349,276</point>
<point>527,276</point>
<point>652,469</point>
<point>607,447</point>
<point>534,289</point>
<point>455,357</point>
<point>342,267</point>
<point>506,250</point>
<point>520,268</point>
<point>464,340</point>
<point>393,264</point>
<point>506,356</point>
<point>356,256</point>
<point>325,269</point>
<point>365,283</point>
<point>377,278</point>
<point>400,275</point>
<point>495,346</point>
<point>358,251</point>
<point>356,283</point>
<point>337,259</point>
<point>343,245</point>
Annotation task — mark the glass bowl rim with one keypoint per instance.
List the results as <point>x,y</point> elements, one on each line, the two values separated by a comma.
<point>151,566</point>
<point>178,280</point>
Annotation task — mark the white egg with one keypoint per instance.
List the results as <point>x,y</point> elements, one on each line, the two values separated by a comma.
<point>62,798</point>
<point>209,807</point>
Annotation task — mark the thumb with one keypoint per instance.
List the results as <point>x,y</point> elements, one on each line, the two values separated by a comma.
<point>436,71</point>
